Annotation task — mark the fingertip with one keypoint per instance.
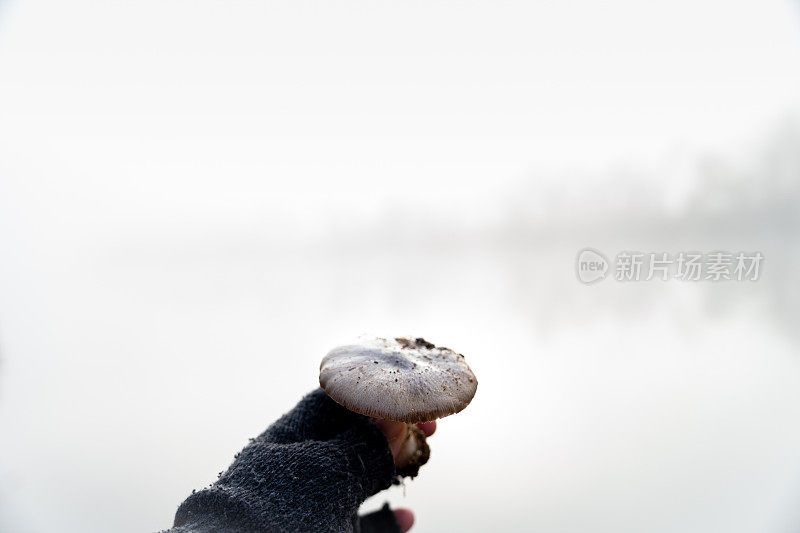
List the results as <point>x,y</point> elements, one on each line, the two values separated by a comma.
<point>395,433</point>
<point>391,429</point>
<point>429,428</point>
<point>405,518</point>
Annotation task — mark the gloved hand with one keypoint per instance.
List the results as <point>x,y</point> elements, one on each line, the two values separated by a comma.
<point>308,472</point>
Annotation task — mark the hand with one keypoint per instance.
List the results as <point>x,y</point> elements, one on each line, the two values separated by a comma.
<point>270,486</point>
<point>395,433</point>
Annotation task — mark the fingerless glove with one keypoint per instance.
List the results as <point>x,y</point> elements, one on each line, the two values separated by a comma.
<point>308,472</point>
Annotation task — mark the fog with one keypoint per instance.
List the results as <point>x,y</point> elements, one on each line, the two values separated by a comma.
<point>199,199</point>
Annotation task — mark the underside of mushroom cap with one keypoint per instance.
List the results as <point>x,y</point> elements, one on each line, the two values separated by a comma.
<point>405,379</point>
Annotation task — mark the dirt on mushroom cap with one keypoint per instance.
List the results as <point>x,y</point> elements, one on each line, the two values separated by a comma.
<point>405,379</point>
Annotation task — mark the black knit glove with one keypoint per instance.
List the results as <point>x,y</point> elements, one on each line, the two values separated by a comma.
<point>308,472</point>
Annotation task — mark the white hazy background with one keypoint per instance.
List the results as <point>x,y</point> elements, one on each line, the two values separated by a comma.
<point>199,198</point>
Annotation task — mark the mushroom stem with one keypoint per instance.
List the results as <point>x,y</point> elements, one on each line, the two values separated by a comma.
<point>413,453</point>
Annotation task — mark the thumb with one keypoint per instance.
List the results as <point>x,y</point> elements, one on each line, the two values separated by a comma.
<point>387,521</point>
<point>395,432</point>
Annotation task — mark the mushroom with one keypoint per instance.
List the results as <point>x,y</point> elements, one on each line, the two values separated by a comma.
<point>404,379</point>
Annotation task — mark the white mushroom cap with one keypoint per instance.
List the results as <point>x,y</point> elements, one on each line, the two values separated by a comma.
<point>409,380</point>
